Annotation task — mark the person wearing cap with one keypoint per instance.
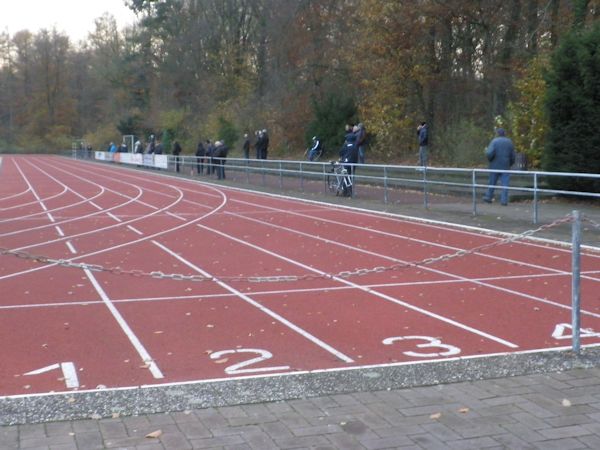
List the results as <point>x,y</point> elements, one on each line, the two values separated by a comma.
<point>501,156</point>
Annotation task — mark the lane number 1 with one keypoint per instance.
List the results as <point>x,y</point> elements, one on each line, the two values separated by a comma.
<point>68,370</point>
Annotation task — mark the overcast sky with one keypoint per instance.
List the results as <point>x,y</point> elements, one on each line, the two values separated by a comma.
<point>74,17</point>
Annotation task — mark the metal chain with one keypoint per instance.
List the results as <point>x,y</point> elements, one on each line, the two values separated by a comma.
<point>286,278</point>
<point>591,221</point>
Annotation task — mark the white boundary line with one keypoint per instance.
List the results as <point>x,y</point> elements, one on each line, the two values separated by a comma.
<point>264,309</point>
<point>368,290</point>
<point>146,358</point>
<point>289,374</point>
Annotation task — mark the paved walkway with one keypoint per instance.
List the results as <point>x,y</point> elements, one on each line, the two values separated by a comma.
<point>557,410</point>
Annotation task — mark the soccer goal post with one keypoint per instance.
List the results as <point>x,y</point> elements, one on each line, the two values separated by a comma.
<point>129,140</point>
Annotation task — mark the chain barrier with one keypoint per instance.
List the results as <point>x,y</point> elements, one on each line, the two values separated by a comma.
<point>591,222</point>
<point>286,278</point>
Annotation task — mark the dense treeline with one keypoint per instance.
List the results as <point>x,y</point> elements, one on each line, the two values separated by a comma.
<point>204,68</point>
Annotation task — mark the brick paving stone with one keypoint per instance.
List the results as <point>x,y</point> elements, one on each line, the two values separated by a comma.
<point>572,419</point>
<point>428,442</point>
<point>560,444</point>
<point>564,432</point>
<point>305,441</point>
<point>531,421</point>
<point>113,429</point>
<point>211,418</point>
<point>222,441</point>
<point>46,441</point>
<point>91,440</point>
<point>58,428</point>
<point>476,443</point>
<point>386,443</point>
<point>194,430</point>
<point>590,441</point>
<point>257,439</point>
<point>509,441</point>
<point>344,441</point>
<point>277,430</point>
<point>32,431</point>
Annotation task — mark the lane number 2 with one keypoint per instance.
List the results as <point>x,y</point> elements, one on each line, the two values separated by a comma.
<point>430,342</point>
<point>242,367</point>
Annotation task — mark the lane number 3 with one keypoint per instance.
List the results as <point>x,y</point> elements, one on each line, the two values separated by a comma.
<point>430,342</point>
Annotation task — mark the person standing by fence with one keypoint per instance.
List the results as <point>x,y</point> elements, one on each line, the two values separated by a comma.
<point>501,156</point>
<point>423,136</point>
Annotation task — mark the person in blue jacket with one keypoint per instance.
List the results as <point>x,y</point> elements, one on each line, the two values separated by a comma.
<point>501,156</point>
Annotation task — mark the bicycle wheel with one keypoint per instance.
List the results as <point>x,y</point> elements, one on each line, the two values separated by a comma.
<point>332,183</point>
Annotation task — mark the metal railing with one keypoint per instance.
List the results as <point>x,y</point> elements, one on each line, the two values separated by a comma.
<point>430,187</point>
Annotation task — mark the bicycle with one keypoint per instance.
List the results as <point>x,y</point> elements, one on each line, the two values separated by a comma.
<point>315,156</point>
<point>338,180</point>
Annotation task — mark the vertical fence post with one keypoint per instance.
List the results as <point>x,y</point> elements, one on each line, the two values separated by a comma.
<point>301,178</point>
<point>280,175</point>
<point>474,191</point>
<point>385,186</point>
<point>535,198</point>
<point>575,281</point>
<point>425,189</point>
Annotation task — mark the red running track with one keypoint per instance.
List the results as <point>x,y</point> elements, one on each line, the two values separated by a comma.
<point>66,328</point>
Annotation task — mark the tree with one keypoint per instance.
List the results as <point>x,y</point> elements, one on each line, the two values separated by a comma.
<point>529,122</point>
<point>330,116</point>
<point>573,104</point>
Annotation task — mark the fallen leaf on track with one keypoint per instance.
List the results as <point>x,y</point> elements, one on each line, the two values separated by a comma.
<point>154,435</point>
<point>435,416</point>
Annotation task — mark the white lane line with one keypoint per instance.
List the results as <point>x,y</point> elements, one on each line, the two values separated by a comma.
<point>71,247</point>
<point>369,291</point>
<point>262,308</point>
<point>113,217</point>
<point>430,269</point>
<point>176,216</point>
<point>146,358</point>
<point>59,231</point>
<point>135,230</point>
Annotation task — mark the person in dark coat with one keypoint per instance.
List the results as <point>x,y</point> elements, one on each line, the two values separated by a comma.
<point>158,149</point>
<point>200,153</point>
<point>176,153</point>
<point>220,155</point>
<point>210,149</point>
<point>264,146</point>
<point>501,156</point>
<point>246,146</point>
<point>423,136</point>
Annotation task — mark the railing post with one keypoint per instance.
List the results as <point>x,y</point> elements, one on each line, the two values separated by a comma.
<point>280,175</point>
<point>535,198</point>
<point>575,281</point>
<point>301,178</point>
<point>474,190</point>
<point>385,185</point>
<point>425,189</point>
